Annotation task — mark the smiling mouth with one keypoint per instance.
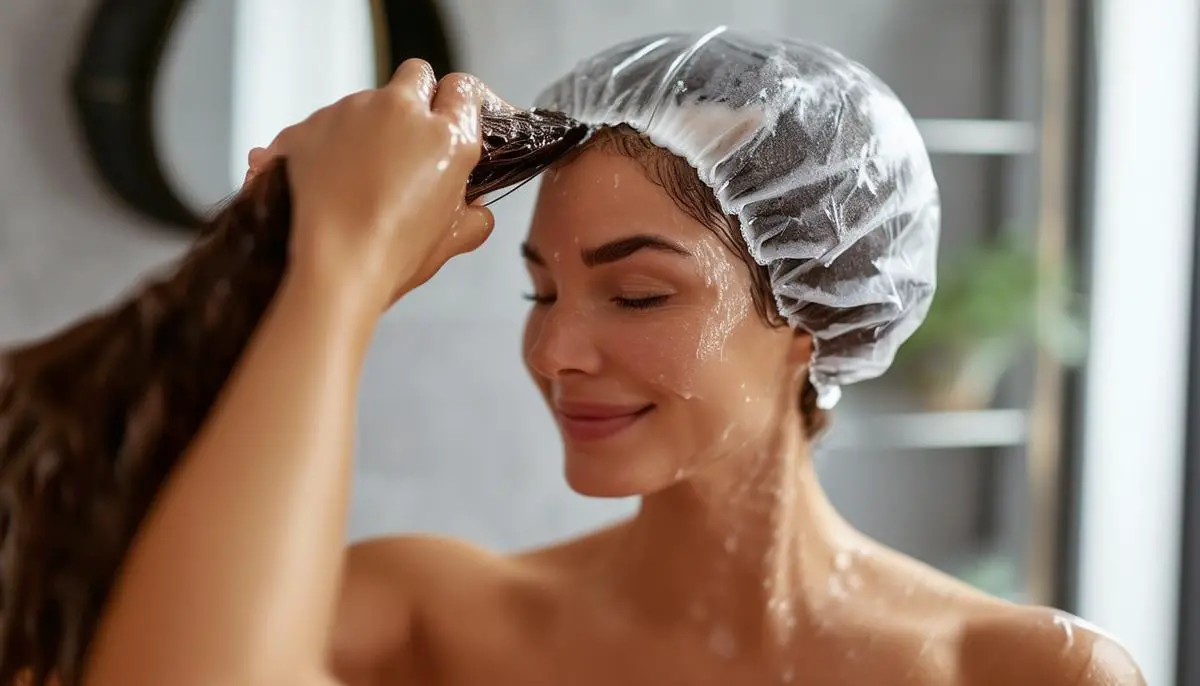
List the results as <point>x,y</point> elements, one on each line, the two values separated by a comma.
<point>590,426</point>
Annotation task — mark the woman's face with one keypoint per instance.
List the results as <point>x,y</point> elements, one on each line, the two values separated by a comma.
<point>643,336</point>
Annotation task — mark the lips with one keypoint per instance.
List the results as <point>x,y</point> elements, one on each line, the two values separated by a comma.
<point>589,422</point>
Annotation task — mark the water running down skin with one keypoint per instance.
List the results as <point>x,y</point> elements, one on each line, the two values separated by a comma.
<point>735,571</point>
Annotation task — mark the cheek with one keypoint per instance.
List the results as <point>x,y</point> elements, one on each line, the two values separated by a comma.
<point>742,387</point>
<point>691,350</point>
<point>688,352</point>
<point>744,381</point>
<point>660,349</point>
<point>744,396</point>
<point>729,290</point>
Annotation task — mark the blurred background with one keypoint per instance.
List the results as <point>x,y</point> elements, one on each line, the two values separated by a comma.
<point>1037,438</point>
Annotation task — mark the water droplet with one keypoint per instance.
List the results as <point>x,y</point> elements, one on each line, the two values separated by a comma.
<point>837,589</point>
<point>443,164</point>
<point>787,675</point>
<point>731,544</point>
<point>842,561</point>
<point>1068,628</point>
<point>925,646</point>
<point>789,625</point>
<point>722,643</point>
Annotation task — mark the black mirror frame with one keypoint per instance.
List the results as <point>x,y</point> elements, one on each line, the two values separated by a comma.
<point>113,82</point>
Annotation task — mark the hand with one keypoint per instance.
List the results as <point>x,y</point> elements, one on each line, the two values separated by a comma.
<point>378,181</point>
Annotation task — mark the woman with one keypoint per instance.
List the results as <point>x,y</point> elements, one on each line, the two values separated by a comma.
<point>653,339</point>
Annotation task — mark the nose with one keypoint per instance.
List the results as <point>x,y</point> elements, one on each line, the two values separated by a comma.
<point>559,340</point>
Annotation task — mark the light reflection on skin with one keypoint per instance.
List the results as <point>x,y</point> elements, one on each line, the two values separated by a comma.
<point>636,305</point>
<point>735,550</point>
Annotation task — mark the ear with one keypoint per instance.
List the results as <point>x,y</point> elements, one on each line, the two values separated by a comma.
<point>802,348</point>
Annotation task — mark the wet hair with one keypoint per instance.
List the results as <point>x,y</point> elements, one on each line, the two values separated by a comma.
<point>93,418</point>
<point>683,185</point>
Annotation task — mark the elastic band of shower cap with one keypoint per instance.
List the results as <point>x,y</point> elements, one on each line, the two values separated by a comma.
<point>819,160</point>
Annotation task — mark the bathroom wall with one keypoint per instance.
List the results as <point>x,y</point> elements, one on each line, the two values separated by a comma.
<point>453,438</point>
<point>64,247</point>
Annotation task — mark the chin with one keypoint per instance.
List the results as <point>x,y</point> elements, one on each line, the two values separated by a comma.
<point>613,474</point>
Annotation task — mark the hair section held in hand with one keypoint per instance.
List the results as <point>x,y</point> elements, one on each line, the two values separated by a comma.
<point>93,418</point>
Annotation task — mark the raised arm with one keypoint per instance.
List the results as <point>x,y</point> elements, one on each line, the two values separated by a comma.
<point>233,576</point>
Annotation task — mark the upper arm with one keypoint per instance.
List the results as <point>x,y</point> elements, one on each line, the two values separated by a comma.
<point>1043,646</point>
<point>1109,664</point>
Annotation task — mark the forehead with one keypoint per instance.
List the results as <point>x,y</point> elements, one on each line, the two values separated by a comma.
<point>602,195</point>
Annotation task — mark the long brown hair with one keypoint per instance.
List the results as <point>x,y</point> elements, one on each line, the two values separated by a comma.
<point>93,418</point>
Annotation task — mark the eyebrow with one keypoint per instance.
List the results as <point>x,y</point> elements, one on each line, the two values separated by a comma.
<point>614,251</point>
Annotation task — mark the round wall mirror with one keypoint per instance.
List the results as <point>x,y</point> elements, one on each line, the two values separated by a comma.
<point>171,95</point>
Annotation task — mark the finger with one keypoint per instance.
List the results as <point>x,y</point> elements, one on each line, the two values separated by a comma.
<point>255,161</point>
<point>280,145</point>
<point>460,97</point>
<point>257,157</point>
<point>414,78</point>
<point>473,228</point>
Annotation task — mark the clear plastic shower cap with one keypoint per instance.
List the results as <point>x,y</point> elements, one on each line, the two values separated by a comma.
<point>818,159</point>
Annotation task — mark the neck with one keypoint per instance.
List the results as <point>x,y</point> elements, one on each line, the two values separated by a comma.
<point>751,550</point>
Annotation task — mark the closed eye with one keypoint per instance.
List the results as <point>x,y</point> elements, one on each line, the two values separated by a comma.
<point>641,303</point>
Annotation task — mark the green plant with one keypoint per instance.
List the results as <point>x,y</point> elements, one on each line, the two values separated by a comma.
<point>995,573</point>
<point>992,302</point>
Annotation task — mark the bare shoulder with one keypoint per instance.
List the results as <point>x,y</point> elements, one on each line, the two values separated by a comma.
<point>1015,644</point>
<point>427,564</point>
<point>573,553</point>
<point>999,643</point>
<point>420,559</point>
<point>402,576</point>
<point>395,587</point>
<point>387,583</point>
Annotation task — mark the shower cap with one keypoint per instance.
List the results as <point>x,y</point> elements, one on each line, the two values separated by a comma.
<point>818,159</point>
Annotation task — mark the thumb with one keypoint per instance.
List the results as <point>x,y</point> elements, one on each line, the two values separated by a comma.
<point>255,161</point>
<point>471,230</point>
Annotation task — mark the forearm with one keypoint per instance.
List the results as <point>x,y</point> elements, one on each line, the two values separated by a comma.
<point>234,573</point>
